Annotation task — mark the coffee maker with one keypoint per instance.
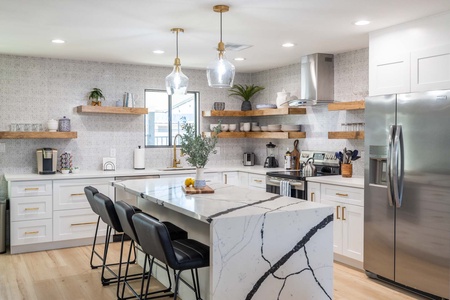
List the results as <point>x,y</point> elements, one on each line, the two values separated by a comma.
<point>46,160</point>
<point>271,161</point>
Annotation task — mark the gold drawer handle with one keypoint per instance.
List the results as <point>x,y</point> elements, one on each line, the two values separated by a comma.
<point>312,197</point>
<point>257,180</point>
<point>31,232</point>
<point>78,194</point>
<point>337,212</point>
<point>343,211</point>
<point>342,195</point>
<point>32,189</point>
<point>31,208</point>
<point>82,224</point>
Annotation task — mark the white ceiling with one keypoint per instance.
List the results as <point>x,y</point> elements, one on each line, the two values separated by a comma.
<point>127,31</point>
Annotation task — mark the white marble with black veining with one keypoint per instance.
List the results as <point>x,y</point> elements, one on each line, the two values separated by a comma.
<point>263,246</point>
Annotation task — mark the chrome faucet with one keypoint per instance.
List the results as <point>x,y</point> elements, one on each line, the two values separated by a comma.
<point>175,161</point>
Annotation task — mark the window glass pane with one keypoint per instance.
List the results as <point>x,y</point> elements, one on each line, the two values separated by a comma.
<point>157,120</point>
<point>183,110</point>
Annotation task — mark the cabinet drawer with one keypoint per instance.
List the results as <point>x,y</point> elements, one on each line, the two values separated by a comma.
<point>31,232</point>
<point>30,188</point>
<point>76,224</point>
<point>343,194</point>
<point>31,208</point>
<point>69,194</point>
<point>258,181</point>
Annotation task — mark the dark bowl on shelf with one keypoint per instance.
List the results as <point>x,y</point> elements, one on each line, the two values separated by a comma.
<point>219,105</point>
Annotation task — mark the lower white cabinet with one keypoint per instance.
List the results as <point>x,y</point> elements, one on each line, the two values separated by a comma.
<point>313,190</point>
<point>31,208</point>
<point>230,178</point>
<point>76,224</point>
<point>257,181</point>
<point>31,232</point>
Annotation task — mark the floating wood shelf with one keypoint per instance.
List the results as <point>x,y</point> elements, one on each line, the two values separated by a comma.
<point>255,113</point>
<point>112,110</point>
<point>37,135</point>
<point>261,135</point>
<point>357,135</point>
<point>353,105</point>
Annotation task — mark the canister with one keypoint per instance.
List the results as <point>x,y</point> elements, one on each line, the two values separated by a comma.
<point>64,124</point>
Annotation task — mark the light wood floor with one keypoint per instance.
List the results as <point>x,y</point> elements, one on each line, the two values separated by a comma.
<point>65,274</point>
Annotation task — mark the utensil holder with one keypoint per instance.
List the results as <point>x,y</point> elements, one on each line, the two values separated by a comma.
<point>346,170</point>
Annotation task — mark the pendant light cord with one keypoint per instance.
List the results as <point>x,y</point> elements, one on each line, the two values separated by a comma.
<point>220,26</point>
<point>177,43</point>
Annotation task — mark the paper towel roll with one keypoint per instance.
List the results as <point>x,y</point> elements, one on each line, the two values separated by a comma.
<point>139,158</point>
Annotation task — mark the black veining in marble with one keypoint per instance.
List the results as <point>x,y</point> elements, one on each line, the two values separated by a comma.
<point>301,244</point>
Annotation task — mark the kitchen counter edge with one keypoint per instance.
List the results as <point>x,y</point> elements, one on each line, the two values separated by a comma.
<point>355,181</point>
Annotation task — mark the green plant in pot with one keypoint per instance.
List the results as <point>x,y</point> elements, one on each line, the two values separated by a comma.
<point>95,95</point>
<point>196,149</point>
<point>246,92</point>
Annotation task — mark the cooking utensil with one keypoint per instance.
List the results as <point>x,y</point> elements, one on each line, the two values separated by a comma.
<point>295,155</point>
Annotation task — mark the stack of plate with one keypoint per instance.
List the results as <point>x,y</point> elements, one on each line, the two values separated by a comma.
<point>274,127</point>
<point>265,106</point>
<point>290,127</point>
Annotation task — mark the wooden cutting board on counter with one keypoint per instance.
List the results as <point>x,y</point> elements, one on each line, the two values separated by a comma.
<point>192,190</point>
<point>296,154</point>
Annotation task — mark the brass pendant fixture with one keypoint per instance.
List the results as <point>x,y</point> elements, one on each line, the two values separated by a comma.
<point>220,72</point>
<point>177,82</point>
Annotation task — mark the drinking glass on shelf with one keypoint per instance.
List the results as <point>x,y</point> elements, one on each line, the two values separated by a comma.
<point>40,127</point>
<point>343,127</point>
<point>27,127</point>
<point>20,127</point>
<point>13,127</point>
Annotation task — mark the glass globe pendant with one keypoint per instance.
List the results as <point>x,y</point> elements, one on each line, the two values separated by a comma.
<point>220,72</point>
<point>177,82</point>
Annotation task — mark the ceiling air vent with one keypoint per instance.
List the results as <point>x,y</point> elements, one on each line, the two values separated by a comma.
<point>236,47</point>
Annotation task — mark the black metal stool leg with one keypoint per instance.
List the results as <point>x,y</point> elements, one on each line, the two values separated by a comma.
<point>93,247</point>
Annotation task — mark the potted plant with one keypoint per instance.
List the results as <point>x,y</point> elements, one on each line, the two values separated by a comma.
<point>246,92</point>
<point>196,149</point>
<point>95,95</point>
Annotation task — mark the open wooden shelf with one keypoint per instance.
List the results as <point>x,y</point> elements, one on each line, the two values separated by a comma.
<point>357,135</point>
<point>353,105</point>
<point>112,110</point>
<point>255,113</point>
<point>261,135</point>
<point>37,135</point>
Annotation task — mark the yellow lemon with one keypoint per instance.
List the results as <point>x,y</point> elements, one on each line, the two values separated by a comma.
<point>189,181</point>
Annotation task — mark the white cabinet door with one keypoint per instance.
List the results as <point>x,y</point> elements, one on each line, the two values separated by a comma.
<point>430,69</point>
<point>31,232</point>
<point>352,231</point>
<point>337,225</point>
<point>31,208</point>
<point>389,75</point>
<point>256,181</point>
<point>313,191</point>
<point>230,178</point>
<point>30,188</point>
<point>76,224</point>
<point>243,179</point>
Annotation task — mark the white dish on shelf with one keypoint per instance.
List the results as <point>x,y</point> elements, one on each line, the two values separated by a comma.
<point>266,106</point>
<point>264,128</point>
<point>274,130</point>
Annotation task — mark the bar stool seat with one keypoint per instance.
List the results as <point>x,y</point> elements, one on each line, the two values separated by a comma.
<point>180,255</point>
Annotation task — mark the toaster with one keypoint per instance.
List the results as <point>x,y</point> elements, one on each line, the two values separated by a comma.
<point>249,159</point>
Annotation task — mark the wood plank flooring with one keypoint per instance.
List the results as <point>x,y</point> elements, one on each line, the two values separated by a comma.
<point>66,274</point>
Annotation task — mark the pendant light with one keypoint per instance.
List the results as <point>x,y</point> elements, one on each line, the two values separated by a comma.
<point>177,82</point>
<point>220,72</point>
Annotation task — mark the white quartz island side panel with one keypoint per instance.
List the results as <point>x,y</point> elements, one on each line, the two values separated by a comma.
<point>263,246</point>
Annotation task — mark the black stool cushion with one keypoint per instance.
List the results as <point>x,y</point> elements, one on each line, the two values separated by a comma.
<point>107,212</point>
<point>90,191</point>
<point>191,253</point>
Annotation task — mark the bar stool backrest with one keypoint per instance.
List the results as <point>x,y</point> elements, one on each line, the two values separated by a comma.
<point>125,211</point>
<point>106,211</point>
<point>90,191</point>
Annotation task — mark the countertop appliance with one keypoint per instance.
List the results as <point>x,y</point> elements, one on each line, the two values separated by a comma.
<point>46,160</point>
<point>249,159</point>
<point>407,190</point>
<point>325,162</point>
<point>271,152</point>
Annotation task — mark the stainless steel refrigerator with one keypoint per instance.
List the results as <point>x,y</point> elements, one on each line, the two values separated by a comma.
<point>407,190</point>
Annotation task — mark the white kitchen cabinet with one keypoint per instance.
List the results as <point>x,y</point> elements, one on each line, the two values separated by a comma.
<point>31,208</point>
<point>313,191</point>
<point>30,232</point>
<point>390,74</point>
<point>257,181</point>
<point>243,179</point>
<point>230,178</point>
<point>76,224</point>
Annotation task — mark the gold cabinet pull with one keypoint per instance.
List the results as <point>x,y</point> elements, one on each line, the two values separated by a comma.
<point>31,208</point>
<point>83,224</point>
<point>312,197</point>
<point>257,180</point>
<point>343,216</point>
<point>78,194</point>
<point>342,195</point>
<point>31,189</point>
<point>337,212</point>
<point>226,178</point>
<point>32,232</point>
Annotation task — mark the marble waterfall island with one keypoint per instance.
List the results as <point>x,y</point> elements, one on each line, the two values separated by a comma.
<point>263,246</point>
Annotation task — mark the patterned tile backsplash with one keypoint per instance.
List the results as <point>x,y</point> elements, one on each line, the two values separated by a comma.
<point>34,90</point>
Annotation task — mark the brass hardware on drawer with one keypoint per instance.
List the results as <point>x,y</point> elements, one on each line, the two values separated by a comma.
<point>32,208</point>
<point>342,195</point>
<point>31,232</point>
<point>226,179</point>
<point>82,224</point>
<point>78,194</point>
<point>337,212</point>
<point>312,197</point>
<point>343,216</point>
<point>32,189</point>
<point>257,180</point>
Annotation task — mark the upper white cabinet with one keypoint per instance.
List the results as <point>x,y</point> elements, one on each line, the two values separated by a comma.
<point>410,57</point>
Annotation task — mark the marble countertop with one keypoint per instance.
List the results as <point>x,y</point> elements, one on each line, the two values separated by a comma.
<point>355,181</point>
<point>227,201</point>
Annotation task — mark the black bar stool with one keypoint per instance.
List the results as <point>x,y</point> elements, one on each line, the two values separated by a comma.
<point>180,255</point>
<point>125,212</point>
<point>90,192</point>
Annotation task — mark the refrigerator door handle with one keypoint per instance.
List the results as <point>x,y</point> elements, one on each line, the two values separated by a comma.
<point>390,165</point>
<point>398,168</point>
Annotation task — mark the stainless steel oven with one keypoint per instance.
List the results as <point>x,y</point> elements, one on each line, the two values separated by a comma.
<point>297,186</point>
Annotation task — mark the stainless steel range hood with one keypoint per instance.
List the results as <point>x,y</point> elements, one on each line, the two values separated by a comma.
<point>317,80</point>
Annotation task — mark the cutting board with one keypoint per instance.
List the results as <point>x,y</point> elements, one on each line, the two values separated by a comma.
<point>296,153</point>
<point>192,190</point>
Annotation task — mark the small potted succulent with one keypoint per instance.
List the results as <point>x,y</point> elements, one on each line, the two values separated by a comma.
<point>95,96</point>
<point>246,92</point>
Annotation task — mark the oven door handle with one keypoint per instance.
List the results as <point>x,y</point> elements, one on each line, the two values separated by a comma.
<point>279,181</point>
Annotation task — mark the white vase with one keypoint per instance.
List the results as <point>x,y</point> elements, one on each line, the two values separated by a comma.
<point>199,182</point>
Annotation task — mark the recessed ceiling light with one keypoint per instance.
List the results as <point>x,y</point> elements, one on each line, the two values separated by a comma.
<point>239,58</point>
<point>158,51</point>
<point>362,22</point>
<point>58,41</point>
<point>288,45</point>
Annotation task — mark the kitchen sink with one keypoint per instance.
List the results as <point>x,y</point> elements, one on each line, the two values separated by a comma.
<point>177,169</point>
